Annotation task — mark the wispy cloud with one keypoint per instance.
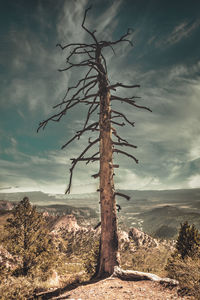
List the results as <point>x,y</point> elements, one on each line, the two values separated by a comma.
<point>69,22</point>
<point>107,22</point>
<point>181,31</point>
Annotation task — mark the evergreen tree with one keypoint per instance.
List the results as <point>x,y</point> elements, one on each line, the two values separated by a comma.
<point>188,241</point>
<point>28,238</point>
<point>184,263</point>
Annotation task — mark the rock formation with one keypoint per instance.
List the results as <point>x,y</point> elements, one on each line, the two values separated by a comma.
<point>141,239</point>
<point>67,222</point>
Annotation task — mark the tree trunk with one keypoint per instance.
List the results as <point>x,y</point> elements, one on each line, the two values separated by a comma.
<point>109,237</point>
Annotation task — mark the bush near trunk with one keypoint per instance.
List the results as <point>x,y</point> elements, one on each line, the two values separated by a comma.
<point>184,263</point>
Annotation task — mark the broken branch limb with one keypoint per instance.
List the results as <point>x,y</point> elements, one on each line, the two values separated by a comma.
<point>119,124</point>
<point>118,207</point>
<point>124,144</point>
<point>123,195</point>
<point>91,127</point>
<point>95,175</point>
<point>136,275</point>
<point>125,153</point>
<point>129,101</point>
<point>80,158</point>
<point>119,114</point>
<point>87,159</point>
<point>118,84</point>
<point>114,132</point>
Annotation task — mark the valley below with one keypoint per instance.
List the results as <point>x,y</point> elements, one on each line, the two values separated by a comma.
<point>158,213</point>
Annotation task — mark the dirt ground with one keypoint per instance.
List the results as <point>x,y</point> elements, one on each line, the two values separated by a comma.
<point>116,289</point>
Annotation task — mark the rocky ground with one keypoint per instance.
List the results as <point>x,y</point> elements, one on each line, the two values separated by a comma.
<point>115,289</point>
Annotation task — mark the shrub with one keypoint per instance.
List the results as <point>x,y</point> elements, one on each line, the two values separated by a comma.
<point>14,288</point>
<point>188,241</point>
<point>91,259</point>
<point>184,263</point>
<point>81,247</point>
<point>187,272</point>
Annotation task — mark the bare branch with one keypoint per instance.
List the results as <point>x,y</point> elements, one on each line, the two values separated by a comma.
<point>123,195</point>
<point>129,101</point>
<point>90,111</point>
<point>56,117</point>
<point>75,51</point>
<point>81,45</point>
<point>90,33</point>
<point>85,86</point>
<point>118,84</point>
<point>95,175</point>
<point>119,114</point>
<point>70,104</point>
<point>86,76</point>
<point>124,144</point>
<point>114,132</point>
<point>119,124</point>
<point>91,87</point>
<point>93,158</point>
<point>80,158</point>
<point>96,226</point>
<point>82,80</point>
<point>118,207</point>
<point>125,153</point>
<point>82,64</point>
<point>73,87</point>
<point>87,159</point>
<point>91,127</point>
<point>122,39</point>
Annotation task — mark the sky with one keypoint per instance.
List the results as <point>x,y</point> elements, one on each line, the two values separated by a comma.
<point>164,60</point>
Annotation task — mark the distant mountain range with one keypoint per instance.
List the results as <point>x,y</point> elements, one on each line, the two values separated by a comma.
<point>156,212</point>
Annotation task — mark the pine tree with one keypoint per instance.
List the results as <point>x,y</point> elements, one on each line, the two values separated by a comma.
<point>28,238</point>
<point>184,263</point>
<point>188,241</point>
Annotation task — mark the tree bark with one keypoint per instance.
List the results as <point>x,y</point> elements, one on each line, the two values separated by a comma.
<point>109,237</point>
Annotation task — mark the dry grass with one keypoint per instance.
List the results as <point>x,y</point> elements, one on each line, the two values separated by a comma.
<point>187,272</point>
<point>144,259</point>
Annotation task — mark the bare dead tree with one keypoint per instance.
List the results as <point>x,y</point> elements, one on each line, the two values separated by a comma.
<point>109,140</point>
